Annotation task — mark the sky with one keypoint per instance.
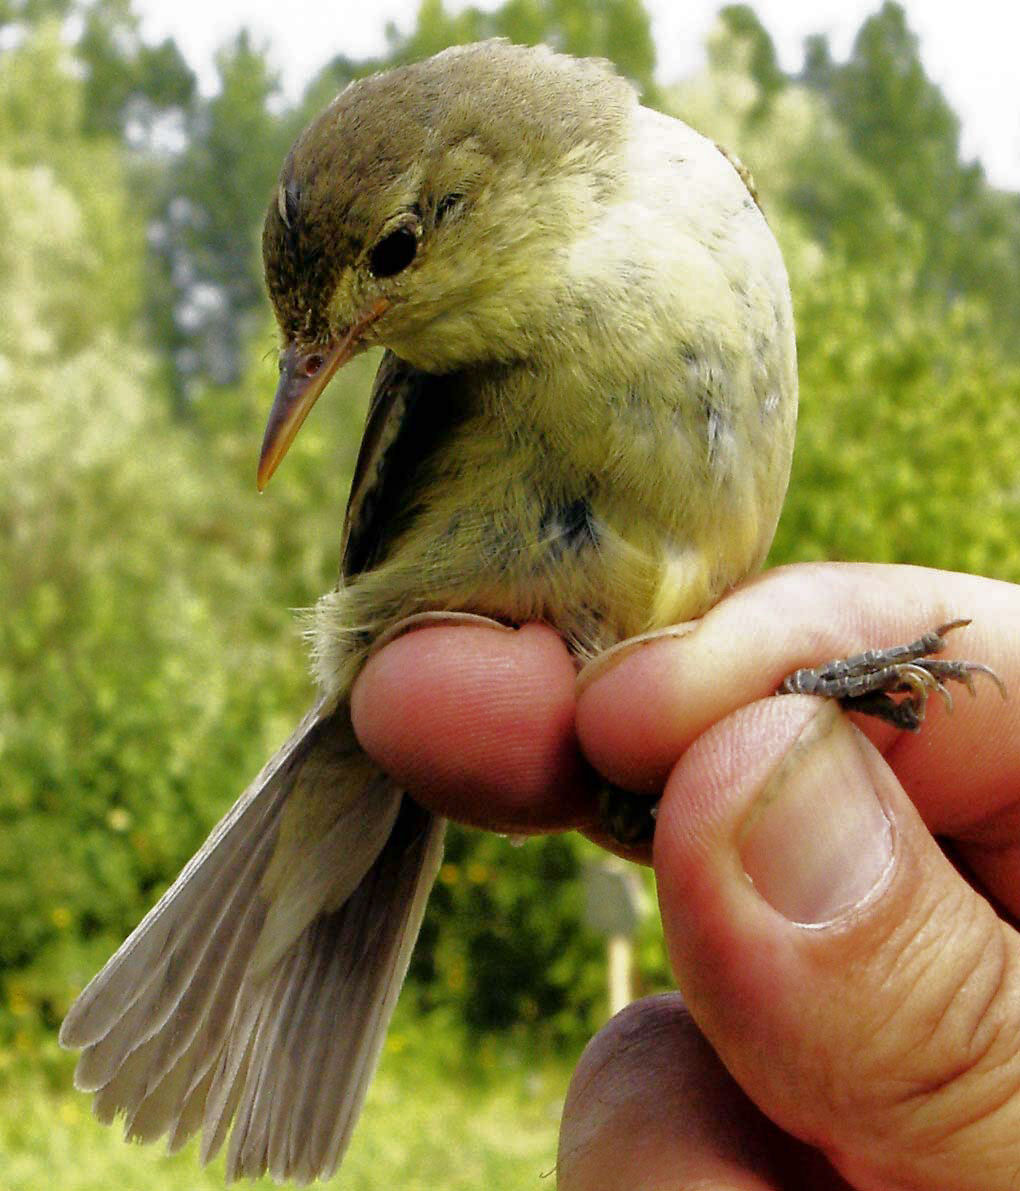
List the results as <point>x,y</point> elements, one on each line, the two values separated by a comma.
<point>969,49</point>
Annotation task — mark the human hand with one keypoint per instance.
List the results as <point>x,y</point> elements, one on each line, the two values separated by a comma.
<point>855,980</point>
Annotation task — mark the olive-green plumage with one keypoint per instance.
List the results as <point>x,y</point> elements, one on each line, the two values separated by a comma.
<point>585,415</point>
<point>408,139</point>
<point>610,315</point>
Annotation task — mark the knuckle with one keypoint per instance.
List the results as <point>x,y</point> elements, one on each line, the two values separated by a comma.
<point>942,1077</point>
<point>967,1061</point>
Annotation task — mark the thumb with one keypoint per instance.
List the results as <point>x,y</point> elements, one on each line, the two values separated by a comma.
<point>859,990</point>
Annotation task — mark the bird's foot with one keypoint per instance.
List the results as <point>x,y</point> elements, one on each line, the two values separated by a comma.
<point>627,819</point>
<point>868,681</point>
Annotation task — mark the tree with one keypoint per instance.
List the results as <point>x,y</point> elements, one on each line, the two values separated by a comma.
<point>210,211</point>
<point>125,719</point>
<point>900,125</point>
<point>129,86</point>
<point>897,119</point>
<point>744,27</point>
<point>32,12</point>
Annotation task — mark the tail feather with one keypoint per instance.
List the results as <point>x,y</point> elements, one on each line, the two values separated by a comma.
<point>189,1119</point>
<point>138,964</point>
<point>228,1083</point>
<point>186,1054</point>
<point>252,1001</point>
<point>208,951</point>
<point>319,1055</point>
<point>361,825</point>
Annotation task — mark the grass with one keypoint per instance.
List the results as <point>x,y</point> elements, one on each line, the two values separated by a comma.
<point>432,1120</point>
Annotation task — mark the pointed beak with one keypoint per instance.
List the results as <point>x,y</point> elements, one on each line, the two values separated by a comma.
<point>303,376</point>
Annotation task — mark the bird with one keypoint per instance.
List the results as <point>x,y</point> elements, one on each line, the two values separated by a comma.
<point>584,414</point>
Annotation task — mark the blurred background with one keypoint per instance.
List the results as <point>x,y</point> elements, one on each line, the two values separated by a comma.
<point>149,655</point>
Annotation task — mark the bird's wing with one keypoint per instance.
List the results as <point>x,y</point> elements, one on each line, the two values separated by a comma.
<point>410,414</point>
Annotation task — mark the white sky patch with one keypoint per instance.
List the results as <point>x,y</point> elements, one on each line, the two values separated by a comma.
<point>968,49</point>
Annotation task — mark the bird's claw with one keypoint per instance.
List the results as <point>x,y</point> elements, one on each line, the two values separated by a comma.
<point>868,681</point>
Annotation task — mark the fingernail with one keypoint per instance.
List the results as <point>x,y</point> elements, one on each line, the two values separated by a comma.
<point>425,620</point>
<point>611,657</point>
<point>818,841</point>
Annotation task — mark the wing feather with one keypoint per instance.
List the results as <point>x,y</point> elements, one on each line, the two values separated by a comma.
<point>409,416</point>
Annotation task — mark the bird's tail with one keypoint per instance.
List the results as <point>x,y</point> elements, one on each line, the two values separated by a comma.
<point>258,990</point>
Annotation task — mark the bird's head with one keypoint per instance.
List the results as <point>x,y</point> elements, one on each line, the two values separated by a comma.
<point>429,209</point>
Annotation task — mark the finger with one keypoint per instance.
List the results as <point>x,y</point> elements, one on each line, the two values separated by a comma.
<point>638,716</point>
<point>651,1106</point>
<point>863,995</point>
<point>478,724</point>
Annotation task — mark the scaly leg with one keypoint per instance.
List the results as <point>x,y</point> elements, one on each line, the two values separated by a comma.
<point>867,681</point>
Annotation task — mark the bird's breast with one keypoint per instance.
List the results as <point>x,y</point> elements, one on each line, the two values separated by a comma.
<point>632,468</point>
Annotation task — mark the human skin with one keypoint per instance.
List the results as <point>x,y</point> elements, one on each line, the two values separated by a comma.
<point>838,900</point>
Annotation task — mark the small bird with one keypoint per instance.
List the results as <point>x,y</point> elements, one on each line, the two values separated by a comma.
<point>585,415</point>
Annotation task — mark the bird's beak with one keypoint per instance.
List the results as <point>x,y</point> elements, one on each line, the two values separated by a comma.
<point>303,376</point>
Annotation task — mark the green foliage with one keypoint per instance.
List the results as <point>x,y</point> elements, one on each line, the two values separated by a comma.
<point>20,12</point>
<point>742,26</point>
<point>70,240</point>
<point>433,1118</point>
<point>899,125</point>
<point>125,79</point>
<point>885,100</point>
<point>505,946</point>
<point>909,431</point>
<point>123,674</point>
<point>208,207</point>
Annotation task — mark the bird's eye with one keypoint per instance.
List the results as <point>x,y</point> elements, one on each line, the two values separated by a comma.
<point>394,252</point>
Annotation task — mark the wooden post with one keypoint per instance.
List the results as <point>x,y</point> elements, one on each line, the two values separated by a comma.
<point>615,903</point>
<point>621,973</point>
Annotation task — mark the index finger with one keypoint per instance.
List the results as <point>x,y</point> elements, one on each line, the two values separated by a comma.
<point>478,724</point>
<point>643,709</point>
